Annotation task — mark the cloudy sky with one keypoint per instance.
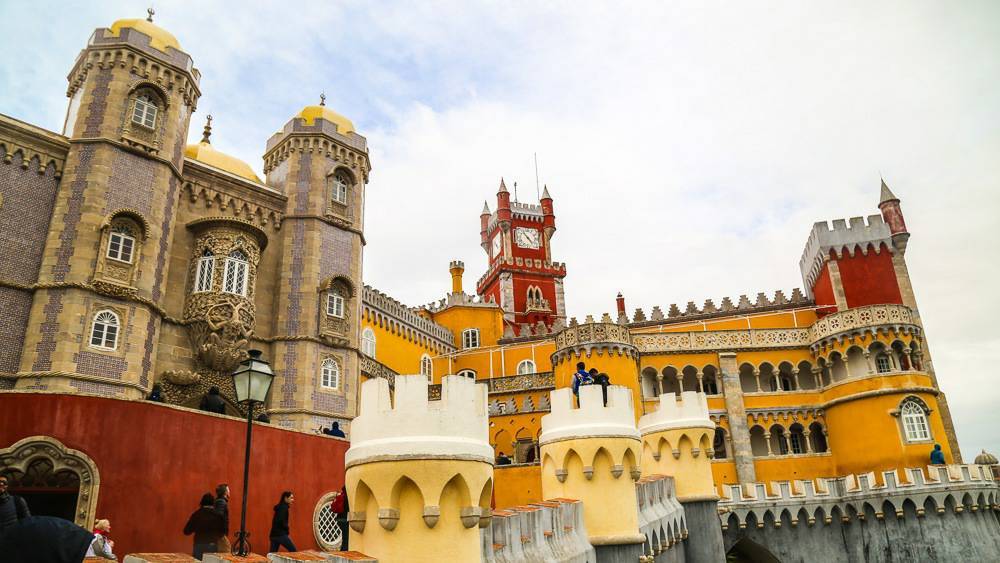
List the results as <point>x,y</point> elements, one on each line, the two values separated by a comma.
<point>689,147</point>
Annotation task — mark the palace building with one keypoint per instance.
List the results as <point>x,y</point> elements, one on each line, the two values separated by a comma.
<point>130,258</point>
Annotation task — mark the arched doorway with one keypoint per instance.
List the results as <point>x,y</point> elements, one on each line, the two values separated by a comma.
<point>53,479</point>
<point>749,551</point>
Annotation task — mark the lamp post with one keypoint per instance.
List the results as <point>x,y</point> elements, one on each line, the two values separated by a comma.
<point>252,380</point>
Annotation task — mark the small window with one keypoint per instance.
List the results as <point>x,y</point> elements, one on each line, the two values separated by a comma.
<point>368,342</point>
<point>525,367</point>
<point>338,188</point>
<point>206,267</point>
<point>467,373</point>
<point>470,338</point>
<point>236,273</point>
<point>330,376</point>
<point>335,304</point>
<point>882,363</point>
<point>104,333</point>
<point>145,112</point>
<point>915,422</point>
<point>427,367</point>
<point>796,442</point>
<point>121,243</point>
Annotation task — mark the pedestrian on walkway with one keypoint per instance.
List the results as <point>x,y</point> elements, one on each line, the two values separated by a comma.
<point>279,523</point>
<point>13,508</point>
<point>102,545</point>
<point>207,526</point>
<point>221,508</point>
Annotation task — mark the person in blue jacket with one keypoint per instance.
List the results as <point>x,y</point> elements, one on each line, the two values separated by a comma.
<point>581,377</point>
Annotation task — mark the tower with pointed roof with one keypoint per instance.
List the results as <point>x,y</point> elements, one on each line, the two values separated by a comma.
<point>522,276</point>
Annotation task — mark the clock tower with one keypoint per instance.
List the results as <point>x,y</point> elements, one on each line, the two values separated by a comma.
<point>521,276</point>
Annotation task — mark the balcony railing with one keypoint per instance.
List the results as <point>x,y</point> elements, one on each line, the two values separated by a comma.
<point>861,317</point>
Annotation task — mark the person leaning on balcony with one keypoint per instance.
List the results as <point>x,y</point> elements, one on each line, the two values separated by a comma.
<point>937,456</point>
<point>581,377</point>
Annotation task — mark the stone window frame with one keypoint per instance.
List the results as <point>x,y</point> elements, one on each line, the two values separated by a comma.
<point>337,327</point>
<point>368,342</point>
<point>204,276</point>
<point>336,374</point>
<point>18,456</point>
<point>336,206</point>
<point>470,338</point>
<point>526,362</point>
<point>139,134</point>
<point>112,269</point>
<point>122,236</point>
<point>427,367</point>
<point>335,303</point>
<point>239,268</point>
<point>900,415</point>
<point>323,514</point>
<point>118,326</point>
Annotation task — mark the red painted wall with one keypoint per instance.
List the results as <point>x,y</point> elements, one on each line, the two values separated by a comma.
<point>869,280</point>
<point>826,302</point>
<point>156,461</point>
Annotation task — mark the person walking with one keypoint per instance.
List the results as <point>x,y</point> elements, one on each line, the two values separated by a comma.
<point>13,508</point>
<point>279,523</point>
<point>102,545</point>
<point>207,526</point>
<point>213,402</point>
<point>221,507</point>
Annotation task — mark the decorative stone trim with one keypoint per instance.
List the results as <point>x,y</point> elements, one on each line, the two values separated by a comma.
<point>752,339</point>
<point>868,318</point>
<point>20,455</point>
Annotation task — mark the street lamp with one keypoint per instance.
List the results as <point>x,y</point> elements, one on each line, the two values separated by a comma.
<point>252,380</point>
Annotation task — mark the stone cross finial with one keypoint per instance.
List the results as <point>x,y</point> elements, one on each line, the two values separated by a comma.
<point>151,12</point>
<point>208,130</point>
<point>322,98</point>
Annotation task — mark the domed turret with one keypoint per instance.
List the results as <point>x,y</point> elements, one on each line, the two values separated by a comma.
<point>986,458</point>
<point>205,153</point>
<point>311,113</point>
<point>159,38</point>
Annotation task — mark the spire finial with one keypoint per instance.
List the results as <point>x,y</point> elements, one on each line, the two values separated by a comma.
<point>208,130</point>
<point>151,13</point>
<point>322,98</point>
<point>886,194</point>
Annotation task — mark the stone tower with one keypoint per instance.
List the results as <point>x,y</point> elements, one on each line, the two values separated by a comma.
<point>677,441</point>
<point>320,163</point>
<point>605,346</point>
<point>98,307</point>
<point>419,473</point>
<point>591,453</point>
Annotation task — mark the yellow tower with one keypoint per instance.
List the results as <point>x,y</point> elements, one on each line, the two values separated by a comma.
<point>606,346</point>
<point>677,441</point>
<point>591,454</point>
<point>419,473</point>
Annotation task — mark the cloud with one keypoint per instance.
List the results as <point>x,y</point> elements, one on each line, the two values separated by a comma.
<point>689,148</point>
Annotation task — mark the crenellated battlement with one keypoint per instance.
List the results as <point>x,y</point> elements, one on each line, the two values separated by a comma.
<point>843,236</point>
<point>742,305</point>
<point>386,305</point>
<point>953,487</point>
<point>592,418</point>
<point>689,411</point>
<point>406,425</point>
<point>460,299</point>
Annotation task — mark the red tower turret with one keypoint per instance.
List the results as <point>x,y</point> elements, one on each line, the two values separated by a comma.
<point>892,214</point>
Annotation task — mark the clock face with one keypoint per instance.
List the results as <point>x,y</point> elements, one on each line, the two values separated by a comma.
<point>497,240</point>
<point>527,238</point>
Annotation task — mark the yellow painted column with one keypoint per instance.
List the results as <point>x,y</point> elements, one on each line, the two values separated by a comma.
<point>420,474</point>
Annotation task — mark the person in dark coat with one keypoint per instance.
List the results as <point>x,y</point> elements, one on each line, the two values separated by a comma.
<point>13,508</point>
<point>45,538</point>
<point>221,507</point>
<point>937,456</point>
<point>207,526</point>
<point>279,523</point>
<point>336,431</point>
<point>212,402</point>
<point>341,508</point>
<point>502,459</point>
<point>156,395</point>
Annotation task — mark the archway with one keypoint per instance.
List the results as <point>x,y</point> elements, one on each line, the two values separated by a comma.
<point>55,480</point>
<point>748,551</point>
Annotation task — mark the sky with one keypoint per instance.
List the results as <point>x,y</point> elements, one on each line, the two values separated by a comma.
<point>689,147</point>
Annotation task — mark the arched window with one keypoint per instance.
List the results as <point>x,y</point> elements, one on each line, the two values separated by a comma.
<point>235,280</point>
<point>525,367</point>
<point>470,338</point>
<point>335,303</point>
<point>368,342</point>
<point>467,373</point>
<point>719,443</point>
<point>914,421</point>
<point>104,332</point>
<point>206,267</point>
<point>144,112</point>
<point>121,243</point>
<point>330,376</point>
<point>882,363</point>
<point>338,188</point>
<point>427,367</point>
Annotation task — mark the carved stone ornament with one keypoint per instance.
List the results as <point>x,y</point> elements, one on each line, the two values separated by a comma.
<point>432,514</point>
<point>181,377</point>
<point>470,516</point>
<point>17,458</point>
<point>357,520</point>
<point>388,518</point>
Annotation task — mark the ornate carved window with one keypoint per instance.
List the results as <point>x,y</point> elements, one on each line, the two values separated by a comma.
<point>427,367</point>
<point>338,188</point>
<point>368,342</point>
<point>235,277</point>
<point>121,242</point>
<point>330,374</point>
<point>914,418</point>
<point>328,534</point>
<point>104,330</point>
<point>470,338</point>
<point>144,111</point>
<point>525,367</point>
<point>335,303</point>
<point>206,267</point>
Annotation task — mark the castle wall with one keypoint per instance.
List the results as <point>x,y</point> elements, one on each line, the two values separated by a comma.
<point>869,279</point>
<point>153,472</point>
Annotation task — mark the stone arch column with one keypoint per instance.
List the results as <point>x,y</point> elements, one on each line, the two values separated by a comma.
<point>20,455</point>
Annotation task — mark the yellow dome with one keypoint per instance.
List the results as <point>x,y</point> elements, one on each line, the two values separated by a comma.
<point>310,113</point>
<point>159,38</point>
<point>205,153</point>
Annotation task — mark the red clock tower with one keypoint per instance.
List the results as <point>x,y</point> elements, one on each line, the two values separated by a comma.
<point>521,276</point>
